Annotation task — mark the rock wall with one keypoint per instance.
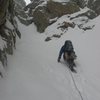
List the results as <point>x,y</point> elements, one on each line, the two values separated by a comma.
<point>8,30</point>
<point>43,14</point>
<point>23,16</point>
<point>94,5</point>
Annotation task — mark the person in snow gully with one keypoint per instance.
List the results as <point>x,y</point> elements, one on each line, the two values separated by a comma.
<point>68,51</point>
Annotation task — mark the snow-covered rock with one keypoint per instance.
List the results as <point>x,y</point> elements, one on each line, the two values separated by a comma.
<point>50,10</point>
<point>21,14</point>
<point>46,12</point>
<point>81,19</point>
<point>94,5</point>
<point>8,30</point>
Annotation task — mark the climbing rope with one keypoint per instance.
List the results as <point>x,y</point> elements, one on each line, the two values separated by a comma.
<point>76,85</point>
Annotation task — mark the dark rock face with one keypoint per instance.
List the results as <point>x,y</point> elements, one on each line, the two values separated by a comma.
<point>41,18</point>
<point>56,9</point>
<point>80,3</point>
<point>43,14</point>
<point>94,5</point>
<point>3,10</point>
<point>8,30</point>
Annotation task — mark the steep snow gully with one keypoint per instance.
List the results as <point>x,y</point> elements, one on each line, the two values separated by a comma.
<point>33,72</point>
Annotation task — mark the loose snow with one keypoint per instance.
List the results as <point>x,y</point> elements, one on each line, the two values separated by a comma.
<point>33,72</point>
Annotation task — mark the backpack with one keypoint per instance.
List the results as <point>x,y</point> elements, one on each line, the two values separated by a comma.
<point>68,46</point>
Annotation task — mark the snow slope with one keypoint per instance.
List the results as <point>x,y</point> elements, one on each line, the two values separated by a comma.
<point>33,72</point>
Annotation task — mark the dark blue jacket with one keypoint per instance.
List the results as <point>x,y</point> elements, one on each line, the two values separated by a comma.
<point>62,50</point>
